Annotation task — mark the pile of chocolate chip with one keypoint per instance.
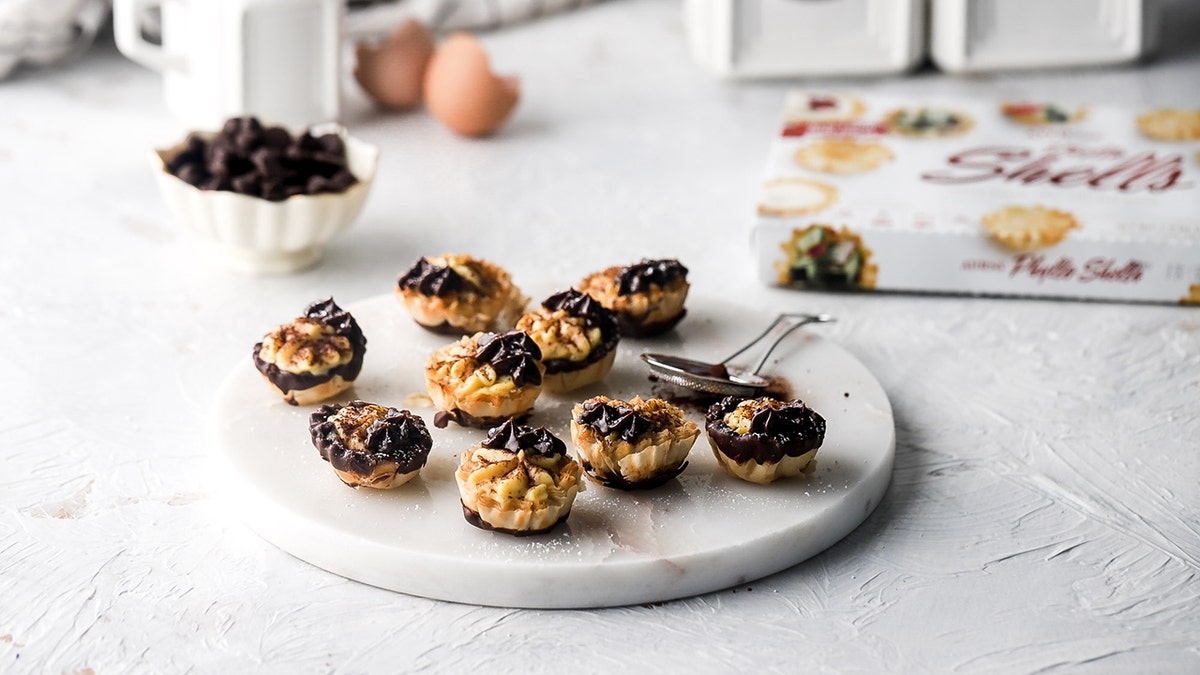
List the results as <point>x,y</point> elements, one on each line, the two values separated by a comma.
<point>264,162</point>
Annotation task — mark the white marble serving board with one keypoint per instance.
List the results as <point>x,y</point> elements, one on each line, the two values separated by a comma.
<point>702,532</point>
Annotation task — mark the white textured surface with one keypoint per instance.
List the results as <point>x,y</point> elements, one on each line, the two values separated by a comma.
<point>1043,515</point>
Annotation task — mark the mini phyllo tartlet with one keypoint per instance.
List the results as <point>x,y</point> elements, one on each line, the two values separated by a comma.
<point>315,356</point>
<point>483,379</point>
<point>370,445</point>
<point>631,445</point>
<point>519,480</point>
<point>648,296</point>
<point>578,338</point>
<point>763,439</point>
<point>460,295</point>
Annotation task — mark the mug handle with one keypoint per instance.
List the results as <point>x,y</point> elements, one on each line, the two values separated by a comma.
<point>128,33</point>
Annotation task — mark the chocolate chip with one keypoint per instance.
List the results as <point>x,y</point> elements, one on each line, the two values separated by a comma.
<point>273,190</point>
<point>192,174</point>
<point>266,161</point>
<point>318,184</point>
<point>247,184</point>
<point>342,180</point>
<point>215,183</point>
<point>332,144</point>
<point>220,159</point>
<point>277,138</point>
<point>248,141</point>
<point>329,159</point>
<point>195,145</point>
<point>307,141</point>
<point>179,161</point>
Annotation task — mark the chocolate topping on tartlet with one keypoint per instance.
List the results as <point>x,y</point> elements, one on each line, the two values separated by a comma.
<point>777,429</point>
<point>327,313</point>
<point>358,436</point>
<point>594,315</point>
<point>581,305</point>
<point>514,354</point>
<point>640,276</point>
<point>428,279</point>
<point>515,437</point>
<point>614,417</point>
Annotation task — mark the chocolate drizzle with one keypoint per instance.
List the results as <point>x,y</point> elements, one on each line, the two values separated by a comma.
<point>443,418</point>
<point>513,353</point>
<point>327,313</point>
<point>639,277</point>
<point>614,418</point>
<point>428,279</point>
<point>399,436</point>
<point>515,437</point>
<point>776,430</point>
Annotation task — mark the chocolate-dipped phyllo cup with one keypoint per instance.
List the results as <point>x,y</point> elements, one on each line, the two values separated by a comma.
<point>314,357</point>
<point>520,480</point>
<point>460,295</point>
<point>763,439</point>
<point>648,296</point>
<point>484,379</point>
<point>578,338</point>
<point>634,445</point>
<point>370,445</point>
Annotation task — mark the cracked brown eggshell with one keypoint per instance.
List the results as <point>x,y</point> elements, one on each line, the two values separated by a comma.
<point>461,90</point>
<point>393,74</point>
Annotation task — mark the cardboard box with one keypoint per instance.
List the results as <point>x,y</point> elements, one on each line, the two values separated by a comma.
<point>967,196</point>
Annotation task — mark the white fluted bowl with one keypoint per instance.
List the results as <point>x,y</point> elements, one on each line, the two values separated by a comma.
<point>266,237</point>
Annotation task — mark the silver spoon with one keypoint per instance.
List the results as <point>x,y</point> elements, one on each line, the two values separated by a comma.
<point>722,378</point>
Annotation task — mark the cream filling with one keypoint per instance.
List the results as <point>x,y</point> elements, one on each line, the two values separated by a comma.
<point>305,346</point>
<point>740,417</point>
<point>461,265</point>
<point>560,335</point>
<point>502,479</point>
<point>352,424</point>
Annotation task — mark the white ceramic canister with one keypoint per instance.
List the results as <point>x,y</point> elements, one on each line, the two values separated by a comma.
<point>783,38</point>
<point>986,35</point>
<point>276,59</point>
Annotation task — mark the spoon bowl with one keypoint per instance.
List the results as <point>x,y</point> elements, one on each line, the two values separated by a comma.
<point>723,378</point>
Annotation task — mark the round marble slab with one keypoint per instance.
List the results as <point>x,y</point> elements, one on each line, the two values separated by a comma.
<point>702,532</point>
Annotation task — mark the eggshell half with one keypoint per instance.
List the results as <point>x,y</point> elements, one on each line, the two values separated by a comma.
<point>393,74</point>
<point>462,92</point>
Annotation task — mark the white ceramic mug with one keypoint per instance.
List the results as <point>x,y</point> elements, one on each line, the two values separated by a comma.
<point>276,59</point>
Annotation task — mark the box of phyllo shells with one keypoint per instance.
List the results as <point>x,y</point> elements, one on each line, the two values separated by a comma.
<point>1032,198</point>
